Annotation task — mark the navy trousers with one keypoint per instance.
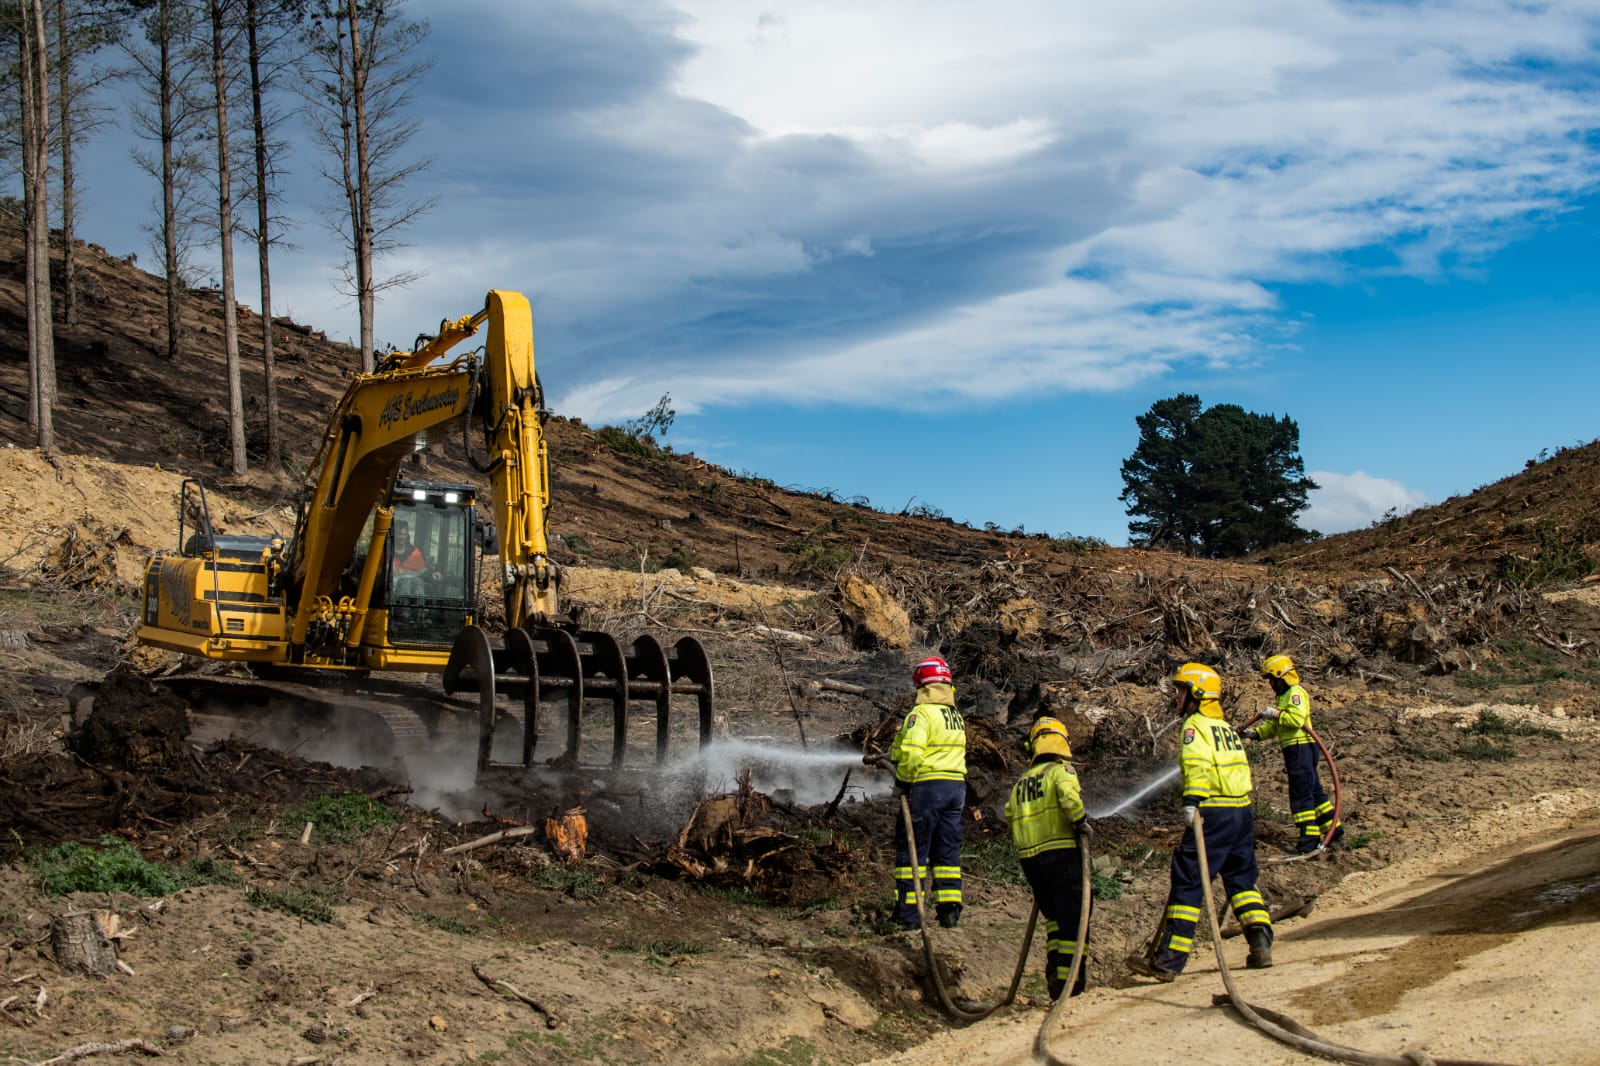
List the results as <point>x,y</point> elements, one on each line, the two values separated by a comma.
<point>1313,813</point>
<point>1231,854</point>
<point>1056,878</point>
<point>936,816</point>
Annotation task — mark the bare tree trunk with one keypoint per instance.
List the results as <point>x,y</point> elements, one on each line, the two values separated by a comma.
<point>366,292</point>
<point>169,178</point>
<point>69,254</point>
<point>263,237</point>
<point>230,311</point>
<point>36,195</point>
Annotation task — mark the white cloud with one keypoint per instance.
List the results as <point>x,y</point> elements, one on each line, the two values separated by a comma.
<point>1171,161</point>
<point>830,202</point>
<point>1354,501</point>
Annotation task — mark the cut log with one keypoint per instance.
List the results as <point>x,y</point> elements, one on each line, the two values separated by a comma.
<point>85,942</point>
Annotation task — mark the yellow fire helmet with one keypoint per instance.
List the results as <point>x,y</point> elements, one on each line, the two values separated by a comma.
<point>1049,737</point>
<point>1281,666</point>
<point>1204,683</point>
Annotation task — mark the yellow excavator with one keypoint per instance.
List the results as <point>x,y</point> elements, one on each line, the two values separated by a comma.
<point>379,580</point>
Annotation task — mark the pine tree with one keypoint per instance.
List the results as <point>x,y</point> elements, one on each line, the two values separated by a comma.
<point>1216,482</point>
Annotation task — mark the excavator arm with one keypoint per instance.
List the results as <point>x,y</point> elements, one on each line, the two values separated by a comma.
<point>384,417</point>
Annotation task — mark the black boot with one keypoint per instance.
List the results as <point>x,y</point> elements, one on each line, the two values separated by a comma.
<point>1260,940</point>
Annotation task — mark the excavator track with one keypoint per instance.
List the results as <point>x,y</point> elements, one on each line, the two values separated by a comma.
<point>368,727</point>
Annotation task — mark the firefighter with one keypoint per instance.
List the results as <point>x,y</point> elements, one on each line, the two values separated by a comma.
<point>1216,782</point>
<point>930,767</point>
<point>1047,821</point>
<point>1290,724</point>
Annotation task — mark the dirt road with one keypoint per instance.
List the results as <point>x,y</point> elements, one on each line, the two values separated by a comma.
<point>1477,949</point>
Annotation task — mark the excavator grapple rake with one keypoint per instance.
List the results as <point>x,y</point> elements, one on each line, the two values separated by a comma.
<point>550,664</point>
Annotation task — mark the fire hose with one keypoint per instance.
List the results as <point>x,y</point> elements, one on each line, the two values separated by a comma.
<point>1279,1026</point>
<point>975,1012</point>
<point>1041,1041</point>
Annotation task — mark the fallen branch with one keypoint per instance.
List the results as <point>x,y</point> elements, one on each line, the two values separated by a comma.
<point>511,990</point>
<point>492,838</point>
<point>830,685</point>
<point>83,1051</point>
<point>783,634</point>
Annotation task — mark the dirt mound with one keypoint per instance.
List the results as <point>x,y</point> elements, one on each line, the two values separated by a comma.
<point>131,767</point>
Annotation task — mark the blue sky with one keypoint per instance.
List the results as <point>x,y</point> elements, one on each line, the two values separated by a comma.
<point>948,252</point>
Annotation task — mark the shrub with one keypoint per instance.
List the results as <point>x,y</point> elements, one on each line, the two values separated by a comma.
<point>1489,724</point>
<point>572,881</point>
<point>994,858</point>
<point>306,904</point>
<point>116,866</point>
<point>1484,751</point>
<point>1104,886</point>
<point>341,817</point>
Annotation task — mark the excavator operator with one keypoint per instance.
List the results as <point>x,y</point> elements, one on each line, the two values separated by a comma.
<point>407,556</point>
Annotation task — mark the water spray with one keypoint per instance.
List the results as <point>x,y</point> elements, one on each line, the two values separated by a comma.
<point>1140,793</point>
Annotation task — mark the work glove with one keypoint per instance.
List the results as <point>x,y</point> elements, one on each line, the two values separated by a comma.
<point>869,759</point>
<point>1249,733</point>
<point>1189,812</point>
<point>1271,713</point>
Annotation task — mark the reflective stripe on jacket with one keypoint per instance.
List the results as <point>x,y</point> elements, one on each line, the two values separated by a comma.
<point>932,742</point>
<point>1216,771</point>
<point>1044,809</point>
<point>1293,724</point>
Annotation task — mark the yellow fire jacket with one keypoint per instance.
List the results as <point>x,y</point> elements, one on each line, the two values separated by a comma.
<point>1216,771</point>
<point>932,742</point>
<point>1045,808</point>
<point>1293,724</point>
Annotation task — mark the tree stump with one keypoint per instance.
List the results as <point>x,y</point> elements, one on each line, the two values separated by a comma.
<point>85,942</point>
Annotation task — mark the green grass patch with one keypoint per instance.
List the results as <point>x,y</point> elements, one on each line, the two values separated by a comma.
<point>663,952</point>
<point>1417,751</point>
<point>993,858</point>
<point>1362,840</point>
<point>795,1051</point>
<point>818,556</point>
<point>810,907</point>
<point>1104,886</point>
<point>574,881</point>
<point>114,866</point>
<point>341,817</point>
<point>1558,556</point>
<point>1268,812</point>
<point>306,904</point>
<point>1139,855</point>
<point>1490,724</point>
<point>446,924</point>
<point>742,895</point>
<point>1484,750</point>
<point>209,872</point>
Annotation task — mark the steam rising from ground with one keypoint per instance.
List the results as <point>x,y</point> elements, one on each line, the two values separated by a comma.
<point>442,769</point>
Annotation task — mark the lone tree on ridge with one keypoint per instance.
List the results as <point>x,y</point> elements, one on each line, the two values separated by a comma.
<point>1216,482</point>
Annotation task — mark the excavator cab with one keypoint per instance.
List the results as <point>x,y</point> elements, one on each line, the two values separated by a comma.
<point>431,584</point>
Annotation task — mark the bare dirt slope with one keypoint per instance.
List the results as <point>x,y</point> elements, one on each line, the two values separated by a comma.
<point>730,912</point>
